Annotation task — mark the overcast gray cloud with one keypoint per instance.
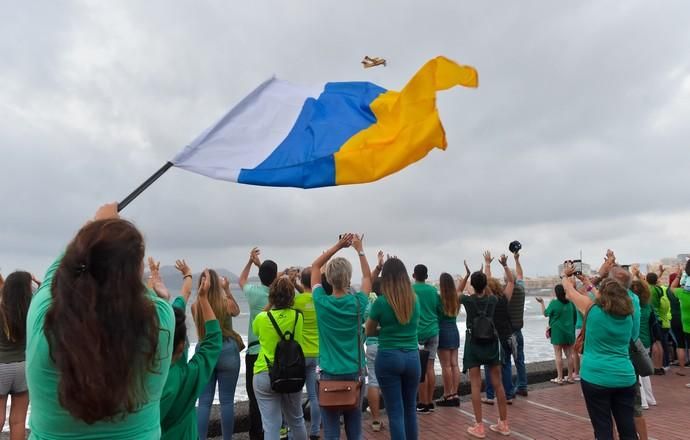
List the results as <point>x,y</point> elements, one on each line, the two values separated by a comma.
<point>575,139</point>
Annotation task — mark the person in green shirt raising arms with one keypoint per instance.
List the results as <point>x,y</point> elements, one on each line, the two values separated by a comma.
<point>304,302</point>
<point>340,318</point>
<point>257,298</point>
<point>427,333</point>
<point>99,343</point>
<point>186,380</point>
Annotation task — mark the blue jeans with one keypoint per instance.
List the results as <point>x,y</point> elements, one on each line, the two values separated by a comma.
<point>519,365</point>
<point>398,374</point>
<point>276,408</point>
<point>225,374</point>
<point>353,418</point>
<point>313,395</point>
<point>506,374</point>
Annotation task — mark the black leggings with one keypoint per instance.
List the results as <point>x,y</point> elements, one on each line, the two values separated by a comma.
<point>602,403</point>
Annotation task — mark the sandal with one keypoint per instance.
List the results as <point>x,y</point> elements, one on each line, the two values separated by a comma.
<point>557,381</point>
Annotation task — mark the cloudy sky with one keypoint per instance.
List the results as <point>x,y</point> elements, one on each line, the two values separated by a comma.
<point>577,138</point>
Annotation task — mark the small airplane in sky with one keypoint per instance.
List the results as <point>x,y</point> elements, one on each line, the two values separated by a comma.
<point>368,62</point>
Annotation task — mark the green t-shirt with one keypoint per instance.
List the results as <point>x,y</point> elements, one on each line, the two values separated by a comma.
<point>664,310</point>
<point>393,335</point>
<point>684,298</point>
<point>49,420</point>
<point>304,302</point>
<point>645,331</point>
<point>186,380</point>
<point>561,321</point>
<point>428,300</point>
<point>605,361</point>
<point>370,340</point>
<point>338,329</point>
<point>636,315</point>
<point>269,337</point>
<point>257,298</point>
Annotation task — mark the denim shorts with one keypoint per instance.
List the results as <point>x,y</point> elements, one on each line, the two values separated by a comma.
<point>371,363</point>
<point>430,345</point>
<point>448,336</point>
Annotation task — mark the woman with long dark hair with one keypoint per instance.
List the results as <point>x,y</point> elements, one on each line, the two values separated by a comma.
<point>14,306</point>
<point>99,343</point>
<point>228,366</point>
<point>562,317</point>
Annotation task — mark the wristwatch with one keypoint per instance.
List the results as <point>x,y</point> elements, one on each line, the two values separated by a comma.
<point>361,253</point>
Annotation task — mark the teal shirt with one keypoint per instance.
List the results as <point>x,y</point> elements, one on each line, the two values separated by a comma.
<point>257,298</point>
<point>49,420</point>
<point>186,381</point>
<point>428,300</point>
<point>645,330</point>
<point>605,361</point>
<point>636,315</point>
<point>338,327</point>
<point>371,340</point>
<point>393,335</point>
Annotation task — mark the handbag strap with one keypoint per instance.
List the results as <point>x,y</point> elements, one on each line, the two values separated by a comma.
<point>359,339</point>
<point>584,319</point>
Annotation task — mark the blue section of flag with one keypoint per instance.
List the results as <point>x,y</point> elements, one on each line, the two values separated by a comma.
<point>305,158</point>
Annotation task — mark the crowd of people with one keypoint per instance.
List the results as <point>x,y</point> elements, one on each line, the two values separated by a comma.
<point>103,354</point>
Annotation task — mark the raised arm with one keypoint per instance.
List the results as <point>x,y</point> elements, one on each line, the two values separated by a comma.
<point>233,307</point>
<point>510,281</point>
<point>253,259</point>
<point>518,266</point>
<point>156,281</point>
<point>582,302</point>
<point>463,282</point>
<point>588,285</point>
<point>540,300</point>
<point>186,272</point>
<point>676,281</point>
<point>376,271</point>
<point>487,263</point>
<point>202,299</point>
<point>364,264</point>
<point>344,241</point>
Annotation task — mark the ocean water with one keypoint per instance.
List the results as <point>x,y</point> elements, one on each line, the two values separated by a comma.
<point>537,347</point>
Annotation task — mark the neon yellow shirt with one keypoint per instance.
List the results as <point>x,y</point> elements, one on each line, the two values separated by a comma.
<point>304,302</point>
<point>268,336</point>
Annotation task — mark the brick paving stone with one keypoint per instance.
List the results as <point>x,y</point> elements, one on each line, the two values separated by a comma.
<point>557,412</point>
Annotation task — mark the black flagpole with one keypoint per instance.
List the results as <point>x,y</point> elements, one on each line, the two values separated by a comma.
<point>140,189</point>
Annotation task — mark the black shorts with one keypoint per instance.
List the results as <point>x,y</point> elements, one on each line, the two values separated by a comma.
<point>682,338</point>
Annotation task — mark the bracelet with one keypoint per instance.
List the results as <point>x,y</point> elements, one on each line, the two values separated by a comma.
<point>589,288</point>
<point>188,275</point>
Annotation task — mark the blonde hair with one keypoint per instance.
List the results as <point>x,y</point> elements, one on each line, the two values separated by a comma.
<point>397,289</point>
<point>495,286</point>
<point>219,304</point>
<point>339,273</point>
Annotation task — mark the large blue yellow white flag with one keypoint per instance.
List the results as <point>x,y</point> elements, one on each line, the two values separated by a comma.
<point>339,133</point>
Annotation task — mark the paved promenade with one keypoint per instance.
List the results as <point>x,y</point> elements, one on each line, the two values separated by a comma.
<point>558,412</point>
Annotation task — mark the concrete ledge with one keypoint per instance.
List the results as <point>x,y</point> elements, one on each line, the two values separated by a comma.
<point>537,372</point>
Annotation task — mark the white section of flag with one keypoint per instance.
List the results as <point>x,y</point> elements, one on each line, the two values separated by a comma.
<point>247,134</point>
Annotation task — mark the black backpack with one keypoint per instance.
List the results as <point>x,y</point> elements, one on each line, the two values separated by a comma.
<point>483,329</point>
<point>287,373</point>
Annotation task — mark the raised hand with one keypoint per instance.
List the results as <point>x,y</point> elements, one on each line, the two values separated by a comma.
<point>205,285</point>
<point>661,269</point>
<point>567,282</point>
<point>357,242</point>
<point>224,283</point>
<point>487,258</point>
<point>254,256</point>
<point>155,279</point>
<point>503,260</point>
<point>33,279</point>
<point>467,268</point>
<point>107,211</point>
<point>182,266</point>
<point>568,269</point>
<point>539,299</point>
<point>610,257</point>
<point>345,241</point>
<point>379,257</point>
<point>154,267</point>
